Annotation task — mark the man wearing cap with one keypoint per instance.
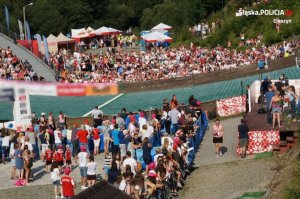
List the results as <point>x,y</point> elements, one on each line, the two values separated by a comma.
<point>67,184</point>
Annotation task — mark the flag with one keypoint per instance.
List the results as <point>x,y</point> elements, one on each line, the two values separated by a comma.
<point>46,47</point>
<point>27,31</point>
<point>7,16</point>
<point>39,40</point>
<point>21,29</point>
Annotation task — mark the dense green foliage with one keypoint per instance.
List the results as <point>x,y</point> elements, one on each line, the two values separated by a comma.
<point>252,26</point>
<point>54,16</point>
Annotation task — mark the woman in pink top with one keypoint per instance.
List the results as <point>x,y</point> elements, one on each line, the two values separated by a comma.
<point>218,132</point>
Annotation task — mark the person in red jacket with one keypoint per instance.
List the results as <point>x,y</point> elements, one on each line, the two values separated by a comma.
<point>67,184</point>
<point>68,155</point>
<point>59,157</point>
<point>48,157</point>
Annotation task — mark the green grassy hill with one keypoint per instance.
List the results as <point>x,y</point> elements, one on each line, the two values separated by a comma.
<point>251,26</point>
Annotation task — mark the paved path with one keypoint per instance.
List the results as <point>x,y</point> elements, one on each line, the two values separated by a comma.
<point>228,176</point>
<point>206,154</point>
<point>40,177</point>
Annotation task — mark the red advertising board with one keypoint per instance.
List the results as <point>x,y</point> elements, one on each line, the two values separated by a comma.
<point>71,90</point>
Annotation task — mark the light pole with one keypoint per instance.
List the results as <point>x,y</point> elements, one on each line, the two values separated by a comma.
<point>24,16</point>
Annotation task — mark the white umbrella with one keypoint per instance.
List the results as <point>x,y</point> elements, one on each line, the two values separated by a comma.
<point>105,31</point>
<point>156,37</point>
<point>162,26</point>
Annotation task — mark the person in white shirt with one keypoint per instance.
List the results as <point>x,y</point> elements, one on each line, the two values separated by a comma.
<point>58,137</point>
<point>91,171</point>
<point>82,159</point>
<point>96,112</point>
<point>28,144</point>
<point>142,120</point>
<point>125,183</point>
<point>55,177</point>
<point>131,162</point>
<point>5,146</point>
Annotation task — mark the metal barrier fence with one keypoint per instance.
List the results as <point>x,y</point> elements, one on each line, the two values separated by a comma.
<point>8,33</point>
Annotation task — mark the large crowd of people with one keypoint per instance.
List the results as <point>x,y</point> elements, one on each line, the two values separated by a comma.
<point>118,65</point>
<point>13,68</point>
<point>146,154</point>
<point>115,65</point>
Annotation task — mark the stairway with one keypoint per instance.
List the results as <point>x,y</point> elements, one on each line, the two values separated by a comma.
<point>22,53</point>
<point>288,139</point>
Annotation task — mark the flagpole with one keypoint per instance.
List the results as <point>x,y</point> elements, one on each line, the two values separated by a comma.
<point>24,17</point>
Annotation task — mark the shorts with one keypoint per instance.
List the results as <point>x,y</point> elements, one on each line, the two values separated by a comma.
<point>4,150</point>
<point>49,162</point>
<point>243,142</point>
<point>56,183</point>
<point>97,142</point>
<point>83,171</point>
<point>68,161</point>
<point>60,163</point>
<point>44,147</point>
<point>91,177</point>
<point>276,110</point>
<point>217,140</point>
<point>13,162</point>
<point>123,149</point>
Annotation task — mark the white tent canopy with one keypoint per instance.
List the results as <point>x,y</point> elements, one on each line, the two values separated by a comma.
<point>51,39</point>
<point>156,37</point>
<point>89,30</point>
<point>162,26</point>
<point>79,33</point>
<point>105,31</point>
<point>61,38</point>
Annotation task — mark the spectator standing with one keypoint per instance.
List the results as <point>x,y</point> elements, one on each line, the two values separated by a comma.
<point>95,113</point>
<point>58,137</point>
<point>269,95</point>
<point>55,177</point>
<point>243,130</point>
<point>68,184</point>
<point>91,171</point>
<point>5,147</point>
<point>218,133</point>
<point>82,159</point>
<point>173,114</point>
<point>131,162</point>
<point>82,136</point>
<point>276,105</point>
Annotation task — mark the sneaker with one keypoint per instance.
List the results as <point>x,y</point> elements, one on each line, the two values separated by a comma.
<point>221,153</point>
<point>218,156</point>
<point>179,185</point>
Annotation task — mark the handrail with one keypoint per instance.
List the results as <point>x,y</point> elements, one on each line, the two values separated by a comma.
<point>12,36</point>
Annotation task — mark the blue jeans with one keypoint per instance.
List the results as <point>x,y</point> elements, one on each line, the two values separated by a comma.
<point>86,146</point>
<point>269,116</point>
<point>174,128</point>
